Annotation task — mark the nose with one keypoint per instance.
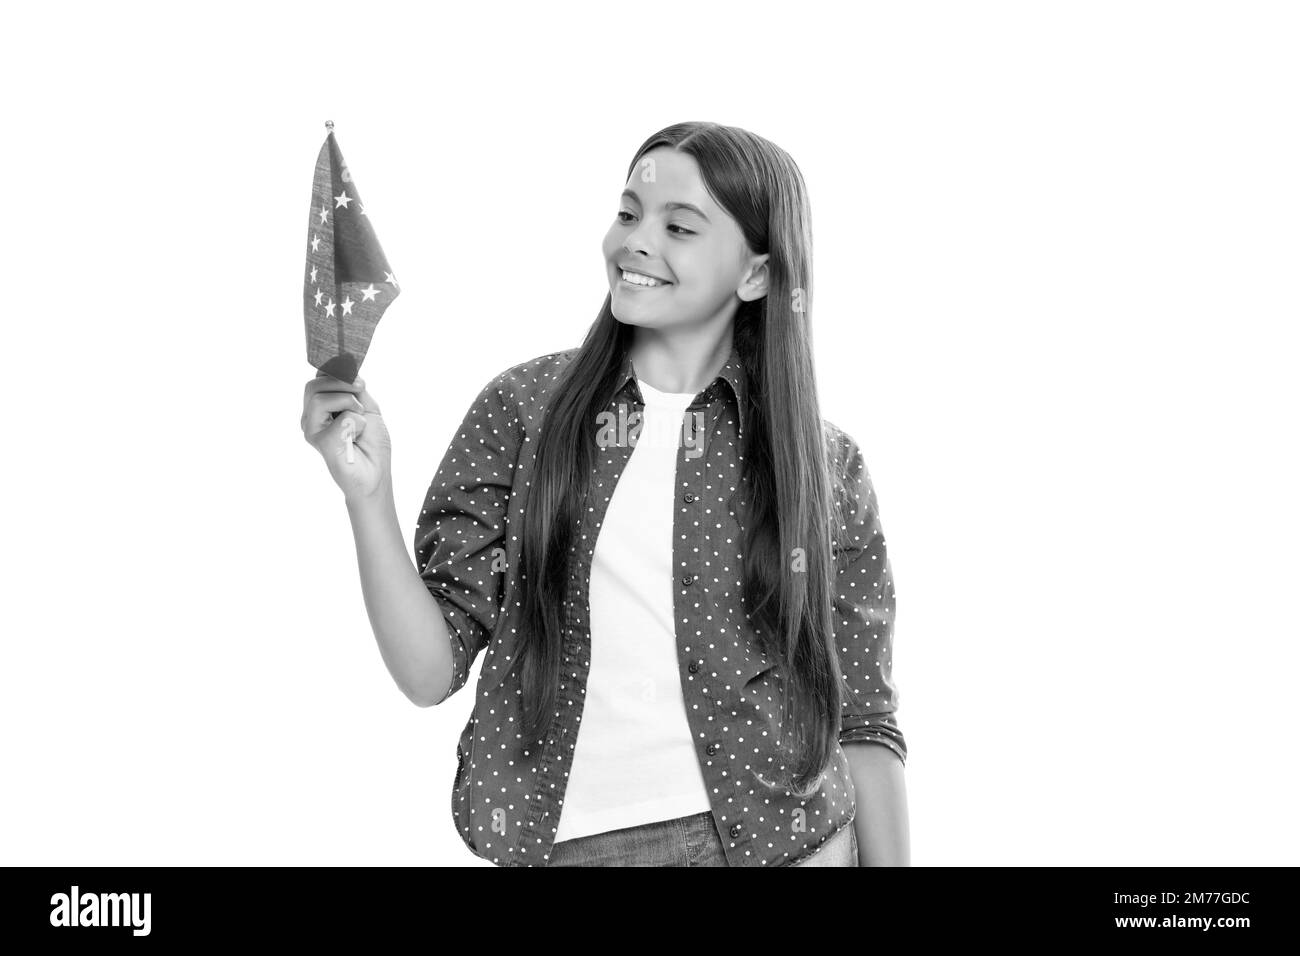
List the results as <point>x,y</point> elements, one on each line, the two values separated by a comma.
<point>636,242</point>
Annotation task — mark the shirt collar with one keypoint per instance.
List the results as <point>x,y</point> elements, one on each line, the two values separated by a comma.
<point>732,374</point>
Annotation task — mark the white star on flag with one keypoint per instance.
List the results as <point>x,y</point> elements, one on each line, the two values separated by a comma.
<point>342,200</point>
<point>369,292</point>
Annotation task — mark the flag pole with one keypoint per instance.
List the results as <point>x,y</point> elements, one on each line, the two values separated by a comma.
<point>347,426</point>
<point>347,437</point>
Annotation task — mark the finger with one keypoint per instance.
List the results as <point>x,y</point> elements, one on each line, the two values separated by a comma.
<point>332,436</point>
<point>324,408</point>
<point>368,401</point>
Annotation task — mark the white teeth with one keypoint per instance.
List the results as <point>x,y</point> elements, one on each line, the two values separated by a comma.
<point>640,279</point>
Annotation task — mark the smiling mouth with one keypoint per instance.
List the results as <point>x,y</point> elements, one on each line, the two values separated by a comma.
<point>636,280</point>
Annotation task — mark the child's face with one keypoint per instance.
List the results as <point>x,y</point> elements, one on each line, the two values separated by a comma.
<point>701,257</point>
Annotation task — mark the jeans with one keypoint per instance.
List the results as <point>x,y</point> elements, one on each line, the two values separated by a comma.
<point>684,841</point>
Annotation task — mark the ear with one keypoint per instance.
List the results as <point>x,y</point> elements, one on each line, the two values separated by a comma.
<point>754,284</point>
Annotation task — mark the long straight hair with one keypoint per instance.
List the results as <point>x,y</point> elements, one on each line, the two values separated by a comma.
<point>790,528</point>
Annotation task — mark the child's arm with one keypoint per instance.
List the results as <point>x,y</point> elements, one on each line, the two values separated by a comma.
<point>433,618</point>
<point>870,735</point>
<point>413,636</point>
<point>881,821</point>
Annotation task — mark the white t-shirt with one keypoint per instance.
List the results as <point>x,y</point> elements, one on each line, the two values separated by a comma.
<point>634,761</point>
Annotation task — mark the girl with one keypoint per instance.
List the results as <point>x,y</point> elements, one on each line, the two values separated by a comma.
<point>672,564</point>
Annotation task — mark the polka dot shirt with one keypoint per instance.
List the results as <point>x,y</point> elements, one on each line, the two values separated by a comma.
<point>507,796</point>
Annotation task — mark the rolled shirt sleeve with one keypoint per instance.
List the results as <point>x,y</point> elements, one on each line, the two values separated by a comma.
<point>864,610</point>
<point>460,535</point>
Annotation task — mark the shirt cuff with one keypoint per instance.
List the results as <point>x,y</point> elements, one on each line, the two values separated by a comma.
<point>875,728</point>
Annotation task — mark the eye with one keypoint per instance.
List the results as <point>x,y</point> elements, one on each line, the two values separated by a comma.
<point>681,230</point>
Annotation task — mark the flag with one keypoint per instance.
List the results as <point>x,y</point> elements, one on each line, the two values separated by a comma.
<point>348,282</point>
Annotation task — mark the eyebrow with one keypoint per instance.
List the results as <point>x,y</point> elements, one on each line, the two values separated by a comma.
<point>672,205</point>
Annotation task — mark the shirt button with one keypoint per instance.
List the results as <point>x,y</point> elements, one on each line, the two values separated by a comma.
<point>711,749</point>
<point>688,580</point>
<point>693,667</point>
<point>735,829</point>
<point>688,497</point>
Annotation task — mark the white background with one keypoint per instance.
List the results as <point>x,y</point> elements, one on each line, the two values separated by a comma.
<point>1056,249</point>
